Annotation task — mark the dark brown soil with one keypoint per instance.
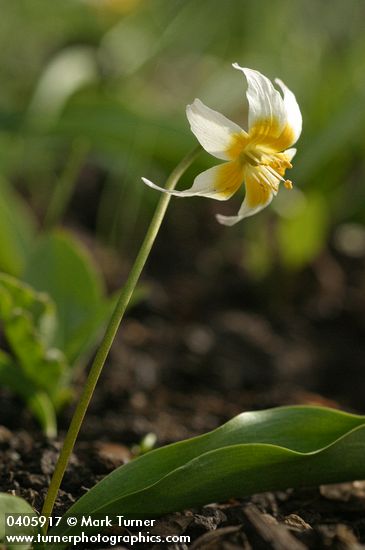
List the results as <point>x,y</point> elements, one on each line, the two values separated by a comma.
<point>206,344</point>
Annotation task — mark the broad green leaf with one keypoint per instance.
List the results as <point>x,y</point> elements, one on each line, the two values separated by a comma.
<point>61,267</point>
<point>36,371</point>
<point>17,295</point>
<point>10,504</point>
<point>17,228</point>
<point>256,451</point>
<point>28,319</point>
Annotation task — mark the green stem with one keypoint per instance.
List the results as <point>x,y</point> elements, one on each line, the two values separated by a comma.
<point>111,330</point>
<point>65,184</point>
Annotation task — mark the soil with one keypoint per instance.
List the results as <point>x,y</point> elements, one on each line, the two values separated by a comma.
<point>209,331</point>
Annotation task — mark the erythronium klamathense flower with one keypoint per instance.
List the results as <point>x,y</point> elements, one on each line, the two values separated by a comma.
<point>258,158</point>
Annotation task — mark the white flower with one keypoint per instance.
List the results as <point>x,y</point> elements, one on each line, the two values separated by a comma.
<point>258,158</point>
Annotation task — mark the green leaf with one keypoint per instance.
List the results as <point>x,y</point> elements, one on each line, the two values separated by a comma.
<point>36,371</point>
<point>17,228</point>
<point>61,267</point>
<point>19,296</point>
<point>10,504</point>
<point>29,321</point>
<point>12,376</point>
<point>256,451</point>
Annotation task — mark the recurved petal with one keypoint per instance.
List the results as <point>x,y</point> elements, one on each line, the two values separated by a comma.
<point>293,114</point>
<point>219,182</point>
<point>214,131</point>
<point>265,103</point>
<point>274,121</point>
<point>258,196</point>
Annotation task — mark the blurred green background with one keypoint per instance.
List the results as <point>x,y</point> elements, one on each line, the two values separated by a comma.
<point>93,96</point>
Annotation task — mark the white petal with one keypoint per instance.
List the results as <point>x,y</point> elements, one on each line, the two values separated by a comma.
<point>265,103</point>
<point>274,122</point>
<point>219,182</point>
<point>258,196</point>
<point>293,114</point>
<point>289,153</point>
<point>244,212</point>
<point>213,130</point>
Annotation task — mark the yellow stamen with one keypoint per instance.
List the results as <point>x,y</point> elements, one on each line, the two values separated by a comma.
<point>252,151</point>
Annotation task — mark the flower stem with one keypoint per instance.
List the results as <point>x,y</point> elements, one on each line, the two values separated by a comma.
<point>111,330</point>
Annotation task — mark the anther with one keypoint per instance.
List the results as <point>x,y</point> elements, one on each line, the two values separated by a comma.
<point>288,184</point>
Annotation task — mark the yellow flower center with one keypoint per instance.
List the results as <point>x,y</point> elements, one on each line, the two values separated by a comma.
<point>269,167</point>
